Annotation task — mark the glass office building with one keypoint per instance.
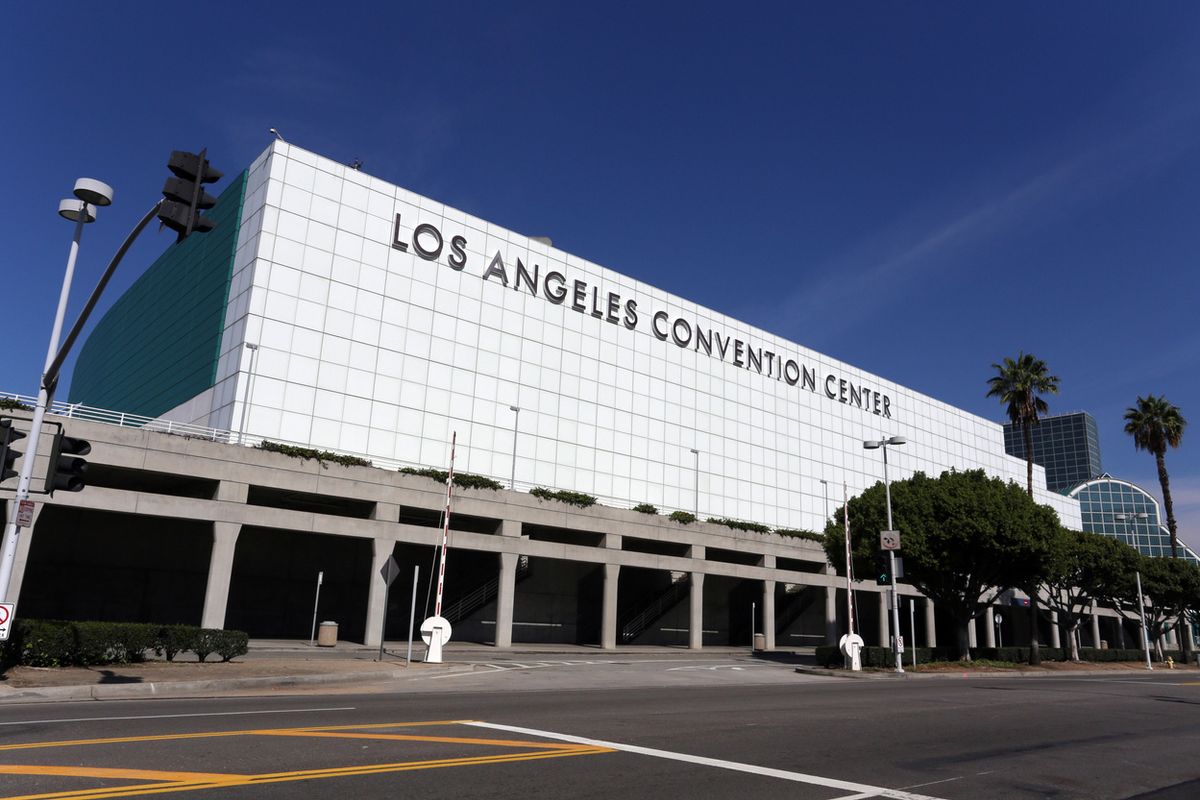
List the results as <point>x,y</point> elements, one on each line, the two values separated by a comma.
<point>1115,508</point>
<point>1067,445</point>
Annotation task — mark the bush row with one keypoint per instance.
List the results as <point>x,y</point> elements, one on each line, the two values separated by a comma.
<point>563,496</point>
<point>739,525</point>
<point>829,656</point>
<point>463,480</point>
<point>308,453</point>
<point>53,643</point>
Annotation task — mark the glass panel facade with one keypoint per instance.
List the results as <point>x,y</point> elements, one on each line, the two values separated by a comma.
<point>1102,500</point>
<point>1067,445</point>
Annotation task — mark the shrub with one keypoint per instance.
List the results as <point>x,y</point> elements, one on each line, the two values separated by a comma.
<point>800,533</point>
<point>563,496</point>
<point>464,480</point>
<point>174,639</point>
<point>53,643</point>
<point>737,524</point>
<point>645,508</point>
<point>13,404</point>
<point>309,453</point>
<point>682,517</point>
<point>232,644</point>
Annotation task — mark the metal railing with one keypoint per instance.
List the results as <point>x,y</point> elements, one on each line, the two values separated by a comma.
<point>660,605</point>
<point>473,601</point>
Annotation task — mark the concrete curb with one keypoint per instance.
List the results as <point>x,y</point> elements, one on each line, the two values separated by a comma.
<point>142,691</point>
<point>969,674</point>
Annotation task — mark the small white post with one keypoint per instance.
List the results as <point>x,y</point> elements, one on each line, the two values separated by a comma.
<point>312,639</point>
<point>412,615</point>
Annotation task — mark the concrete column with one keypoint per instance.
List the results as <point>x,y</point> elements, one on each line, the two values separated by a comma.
<point>510,527</point>
<point>973,633</point>
<point>696,612</point>
<point>377,590</point>
<point>768,561</point>
<point>1095,627</point>
<point>1187,637</point>
<point>233,492</point>
<point>831,621</point>
<point>612,541</point>
<point>768,615</point>
<point>506,595</point>
<point>989,622</point>
<point>884,619</point>
<point>608,618</point>
<point>22,555</point>
<point>930,625</point>
<point>386,512</point>
<point>1120,632</point>
<point>220,574</point>
<point>1055,634</point>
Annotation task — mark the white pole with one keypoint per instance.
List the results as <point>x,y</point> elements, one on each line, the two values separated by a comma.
<point>412,615</point>
<point>753,623</point>
<point>849,563</point>
<point>892,567</point>
<point>1142,612</point>
<point>12,531</point>
<point>512,482</point>
<point>316,601</point>
<point>912,627</point>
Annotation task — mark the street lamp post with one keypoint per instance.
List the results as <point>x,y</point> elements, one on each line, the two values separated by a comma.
<point>883,444</point>
<point>512,482</point>
<point>1129,519</point>
<point>253,348</point>
<point>89,193</point>
<point>696,473</point>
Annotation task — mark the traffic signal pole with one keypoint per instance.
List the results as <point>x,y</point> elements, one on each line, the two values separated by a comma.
<point>12,531</point>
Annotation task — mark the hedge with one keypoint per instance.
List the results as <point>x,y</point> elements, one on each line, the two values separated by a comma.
<point>829,656</point>
<point>311,453</point>
<point>646,508</point>
<point>682,517</point>
<point>800,533</point>
<point>463,480</point>
<point>55,643</point>
<point>563,496</point>
<point>739,525</point>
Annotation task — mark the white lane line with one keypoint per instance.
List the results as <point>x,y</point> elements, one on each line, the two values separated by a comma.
<point>177,716</point>
<point>863,790</point>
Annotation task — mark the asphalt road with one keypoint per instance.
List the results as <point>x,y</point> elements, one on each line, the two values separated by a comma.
<point>722,728</point>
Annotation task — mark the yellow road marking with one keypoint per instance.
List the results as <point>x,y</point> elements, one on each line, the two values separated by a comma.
<point>397,737</point>
<point>214,734</point>
<point>281,777</point>
<point>106,772</point>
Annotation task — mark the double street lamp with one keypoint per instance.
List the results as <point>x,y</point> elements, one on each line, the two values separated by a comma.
<point>1130,520</point>
<point>883,444</point>
<point>81,209</point>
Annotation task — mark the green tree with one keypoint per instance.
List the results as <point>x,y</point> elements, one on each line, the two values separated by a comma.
<point>1075,572</point>
<point>1154,425</point>
<point>964,538</point>
<point>1170,587</point>
<point>1019,384</point>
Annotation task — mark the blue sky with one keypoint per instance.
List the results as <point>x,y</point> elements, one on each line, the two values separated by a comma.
<point>917,188</point>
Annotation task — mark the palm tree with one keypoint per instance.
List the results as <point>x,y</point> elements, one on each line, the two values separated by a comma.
<point>1154,424</point>
<point>1019,383</point>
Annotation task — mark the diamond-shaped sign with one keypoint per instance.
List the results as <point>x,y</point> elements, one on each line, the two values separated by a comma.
<point>390,570</point>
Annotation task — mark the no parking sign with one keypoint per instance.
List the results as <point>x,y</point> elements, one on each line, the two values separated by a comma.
<point>7,612</point>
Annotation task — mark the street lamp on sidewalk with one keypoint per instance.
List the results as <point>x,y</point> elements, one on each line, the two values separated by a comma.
<point>883,444</point>
<point>89,194</point>
<point>1129,520</point>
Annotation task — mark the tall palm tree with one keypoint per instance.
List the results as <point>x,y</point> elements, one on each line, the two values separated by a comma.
<point>1020,383</point>
<point>1154,424</point>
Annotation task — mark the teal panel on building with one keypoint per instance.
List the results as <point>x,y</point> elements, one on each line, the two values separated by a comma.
<point>158,345</point>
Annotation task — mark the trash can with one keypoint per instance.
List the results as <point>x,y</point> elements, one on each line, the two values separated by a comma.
<point>760,642</point>
<point>327,635</point>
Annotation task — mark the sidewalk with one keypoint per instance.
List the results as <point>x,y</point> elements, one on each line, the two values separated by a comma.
<point>280,664</point>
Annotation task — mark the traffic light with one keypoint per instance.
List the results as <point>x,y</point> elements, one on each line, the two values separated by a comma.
<point>185,195</point>
<point>883,569</point>
<point>9,435</point>
<point>67,469</point>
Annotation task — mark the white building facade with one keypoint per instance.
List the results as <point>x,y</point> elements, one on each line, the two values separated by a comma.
<point>363,318</point>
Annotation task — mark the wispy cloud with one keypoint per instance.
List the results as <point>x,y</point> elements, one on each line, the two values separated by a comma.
<point>857,283</point>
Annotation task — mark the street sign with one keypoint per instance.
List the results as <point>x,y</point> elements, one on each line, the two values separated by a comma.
<point>25,510</point>
<point>889,540</point>
<point>390,570</point>
<point>900,644</point>
<point>8,611</point>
